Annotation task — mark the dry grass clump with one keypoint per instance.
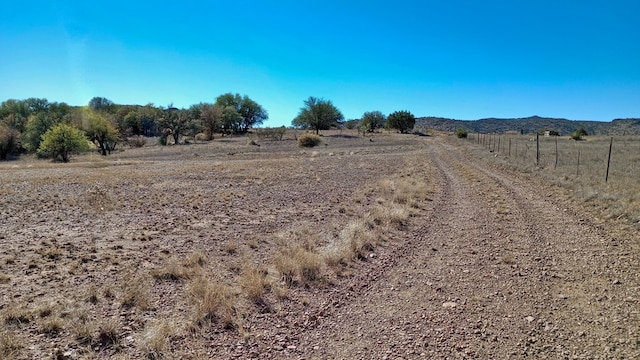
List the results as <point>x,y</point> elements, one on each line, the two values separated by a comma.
<point>298,265</point>
<point>10,345</point>
<point>155,339</point>
<point>51,327</point>
<point>16,315</point>
<point>356,239</point>
<point>4,279</point>
<point>173,270</point>
<point>254,283</point>
<point>108,332</point>
<point>135,292</point>
<point>390,216</point>
<point>214,301</point>
<point>309,140</point>
<point>197,258</point>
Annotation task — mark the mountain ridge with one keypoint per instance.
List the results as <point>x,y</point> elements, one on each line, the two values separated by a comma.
<point>532,124</point>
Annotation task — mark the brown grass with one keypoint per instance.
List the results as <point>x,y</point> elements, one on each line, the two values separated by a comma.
<point>155,339</point>
<point>254,283</point>
<point>10,345</point>
<point>135,292</point>
<point>237,229</point>
<point>213,302</point>
<point>581,168</point>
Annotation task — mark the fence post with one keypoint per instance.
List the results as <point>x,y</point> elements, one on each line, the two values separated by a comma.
<point>556,164</point>
<point>538,149</point>
<point>609,160</point>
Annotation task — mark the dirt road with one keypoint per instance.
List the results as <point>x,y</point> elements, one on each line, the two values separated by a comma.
<point>498,268</point>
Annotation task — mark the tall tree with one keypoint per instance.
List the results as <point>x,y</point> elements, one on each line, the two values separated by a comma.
<point>211,119</point>
<point>403,121</point>
<point>251,113</point>
<point>100,130</point>
<point>318,114</point>
<point>102,104</point>
<point>174,122</point>
<point>14,113</point>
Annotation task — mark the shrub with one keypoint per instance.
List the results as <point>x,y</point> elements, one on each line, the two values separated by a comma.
<point>8,141</point>
<point>461,133</point>
<point>62,140</point>
<point>309,140</point>
<point>138,141</point>
<point>578,134</point>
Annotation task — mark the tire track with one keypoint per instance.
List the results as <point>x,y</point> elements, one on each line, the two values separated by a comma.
<point>489,274</point>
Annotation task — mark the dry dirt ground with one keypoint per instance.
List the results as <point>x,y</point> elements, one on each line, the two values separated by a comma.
<point>102,258</point>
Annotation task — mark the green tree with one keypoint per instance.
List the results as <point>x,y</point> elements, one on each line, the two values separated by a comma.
<point>230,119</point>
<point>318,114</point>
<point>211,119</point>
<point>174,122</point>
<point>101,131</point>
<point>403,121</point>
<point>62,140</point>
<point>8,141</point>
<point>37,125</point>
<point>251,113</point>
<point>102,104</point>
<point>14,113</point>
<point>372,120</point>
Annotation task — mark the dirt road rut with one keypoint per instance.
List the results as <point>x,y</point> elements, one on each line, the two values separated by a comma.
<point>498,268</point>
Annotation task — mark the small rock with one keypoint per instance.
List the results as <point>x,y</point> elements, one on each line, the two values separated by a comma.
<point>616,282</point>
<point>449,304</point>
<point>529,318</point>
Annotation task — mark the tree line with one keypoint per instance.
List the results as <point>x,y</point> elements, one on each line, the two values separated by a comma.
<point>24,124</point>
<point>56,129</point>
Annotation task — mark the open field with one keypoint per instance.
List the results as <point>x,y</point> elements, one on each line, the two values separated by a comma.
<point>401,247</point>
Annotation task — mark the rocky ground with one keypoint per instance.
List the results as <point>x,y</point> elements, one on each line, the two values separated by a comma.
<point>493,265</point>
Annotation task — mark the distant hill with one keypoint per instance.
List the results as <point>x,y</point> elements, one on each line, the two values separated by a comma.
<point>533,124</point>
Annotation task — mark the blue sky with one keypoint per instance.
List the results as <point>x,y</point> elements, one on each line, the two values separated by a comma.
<point>458,59</point>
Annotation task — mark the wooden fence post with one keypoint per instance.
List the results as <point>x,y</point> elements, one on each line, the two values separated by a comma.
<point>538,149</point>
<point>609,160</point>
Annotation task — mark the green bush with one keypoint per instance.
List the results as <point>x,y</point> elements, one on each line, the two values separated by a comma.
<point>62,140</point>
<point>461,133</point>
<point>309,140</point>
<point>578,134</point>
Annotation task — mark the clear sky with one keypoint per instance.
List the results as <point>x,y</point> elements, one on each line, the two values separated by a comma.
<point>460,59</point>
